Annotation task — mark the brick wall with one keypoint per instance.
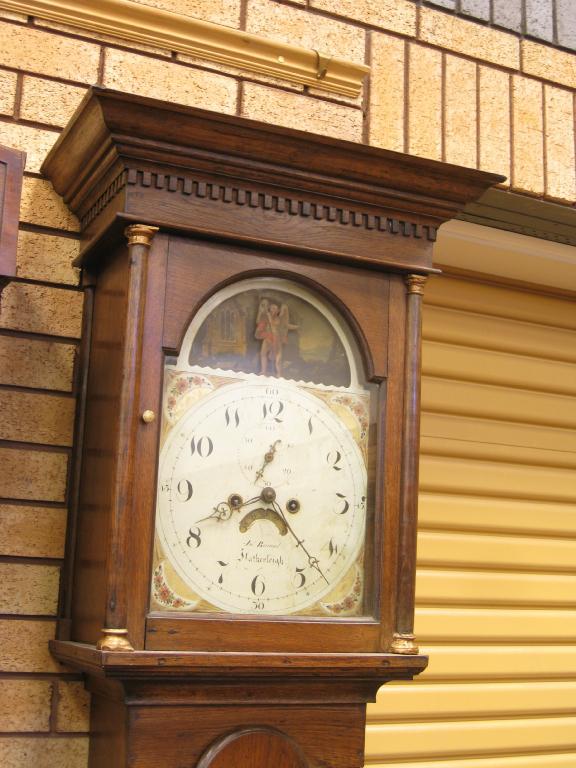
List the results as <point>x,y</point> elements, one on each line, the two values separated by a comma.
<point>442,87</point>
<point>550,20</point>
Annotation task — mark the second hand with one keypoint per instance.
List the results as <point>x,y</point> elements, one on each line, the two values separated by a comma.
<point>268,458</point>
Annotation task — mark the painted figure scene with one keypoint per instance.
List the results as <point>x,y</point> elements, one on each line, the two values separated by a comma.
<point>273,333</point>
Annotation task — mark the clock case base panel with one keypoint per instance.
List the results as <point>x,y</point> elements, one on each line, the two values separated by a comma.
<point>352,220</point>
<point>157,734</point>
<point>153,709</point>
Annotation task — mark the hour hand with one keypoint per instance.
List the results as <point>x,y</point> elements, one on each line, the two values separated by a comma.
<point>220,512</point>
<point>224,509</point>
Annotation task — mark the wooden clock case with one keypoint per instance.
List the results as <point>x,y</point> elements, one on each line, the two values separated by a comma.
<point>175,203</point>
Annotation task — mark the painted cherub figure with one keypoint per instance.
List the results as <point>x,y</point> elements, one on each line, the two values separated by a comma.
<point>272,326</point>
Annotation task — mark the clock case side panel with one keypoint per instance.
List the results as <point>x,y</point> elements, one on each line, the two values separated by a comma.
<point>196,269</point>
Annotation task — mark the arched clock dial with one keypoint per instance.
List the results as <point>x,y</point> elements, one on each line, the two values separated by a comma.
<point>261,498</point>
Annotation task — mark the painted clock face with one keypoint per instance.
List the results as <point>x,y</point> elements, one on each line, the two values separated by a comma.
<point>263,501</point>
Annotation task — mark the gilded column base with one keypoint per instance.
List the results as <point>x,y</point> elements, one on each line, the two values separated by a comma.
<point>405,644</point>
<point>114,640</point>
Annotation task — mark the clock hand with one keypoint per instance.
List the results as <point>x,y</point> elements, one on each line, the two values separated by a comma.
<point>223,510</point>
<point>220,512</point>
<point>268,457</point>
<point>313,562</point>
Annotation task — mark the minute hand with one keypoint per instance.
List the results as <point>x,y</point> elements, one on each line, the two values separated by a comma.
<point>312,561</point>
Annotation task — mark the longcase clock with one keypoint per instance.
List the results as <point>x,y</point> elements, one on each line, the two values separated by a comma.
<point>242,554</point>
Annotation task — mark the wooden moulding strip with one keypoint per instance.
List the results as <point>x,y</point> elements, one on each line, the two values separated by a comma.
<point>206,40</point>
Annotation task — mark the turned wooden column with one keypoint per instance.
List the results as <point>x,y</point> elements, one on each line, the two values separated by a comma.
<point>403,640</point>
<point>114,635</point>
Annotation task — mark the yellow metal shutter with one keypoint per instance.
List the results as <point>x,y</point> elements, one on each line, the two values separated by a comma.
<point>496,588</point>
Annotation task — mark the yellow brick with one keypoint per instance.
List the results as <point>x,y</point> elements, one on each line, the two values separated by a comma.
<point>470,38</point>
<point>41,309</point>
<point>527,156</point>
<point>548,63</point>
<point>169,81</point>
<point>33,475</point>
<point>36,363</point>
<point>295,111</point>
<point>32,531</point>
<point>425,102</point>
<point>73,709</point>
<point>32,417</point>
<point>25,705</point>
<point>46,101</point>
<point>41,205</point>
<point>560,171</point>
<point>225,12</point>
<point>30,590</point>
<point>460,117</point>
<point>298,27</point>
<point>387,92</point>
<point>395,15</point>
<point>494,120</point>
<point>47,257</point>
<point>34,141</point>
<point>7,92</point>
<point>24,647</point>
<point>19,751</point>
<point>46,53</point>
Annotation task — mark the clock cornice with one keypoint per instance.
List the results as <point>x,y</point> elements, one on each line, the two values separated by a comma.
<point>127,158</point>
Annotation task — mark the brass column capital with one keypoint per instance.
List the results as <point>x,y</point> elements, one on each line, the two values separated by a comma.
<point>415,283</point>
<point>140,234</point>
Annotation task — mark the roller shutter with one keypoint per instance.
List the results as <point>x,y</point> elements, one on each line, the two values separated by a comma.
<point>496,588</point>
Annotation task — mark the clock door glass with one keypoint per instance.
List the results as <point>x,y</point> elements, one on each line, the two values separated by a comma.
<point>265,499</point>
